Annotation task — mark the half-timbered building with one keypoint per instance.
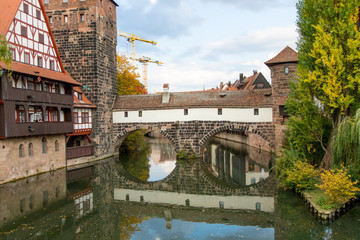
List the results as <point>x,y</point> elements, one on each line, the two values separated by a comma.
<point>36,94</point>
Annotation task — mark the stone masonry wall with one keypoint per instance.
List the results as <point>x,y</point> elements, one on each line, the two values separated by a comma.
<point>88,51</point>
<point>192,136</point>
<point>12,166</point>
<point>280,91</point>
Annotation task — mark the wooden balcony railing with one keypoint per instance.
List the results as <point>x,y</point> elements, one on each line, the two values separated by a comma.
<point>81,151</point>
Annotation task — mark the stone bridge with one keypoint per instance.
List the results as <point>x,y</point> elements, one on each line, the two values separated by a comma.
<point>190,119</point>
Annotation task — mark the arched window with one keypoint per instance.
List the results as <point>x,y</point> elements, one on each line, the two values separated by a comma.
<point>44,145</point>
<point>30,148</point>
<point>21,150</point>
<point>56,145</point>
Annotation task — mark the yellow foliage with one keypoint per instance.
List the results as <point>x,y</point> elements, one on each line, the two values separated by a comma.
<point>338,185</point>
<point>301,176</point>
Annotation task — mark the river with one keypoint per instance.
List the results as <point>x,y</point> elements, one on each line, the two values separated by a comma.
<point>147,194</point>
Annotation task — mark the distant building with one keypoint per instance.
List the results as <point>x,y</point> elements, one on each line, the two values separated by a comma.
<point>36,100</point>
<point>256,81</point>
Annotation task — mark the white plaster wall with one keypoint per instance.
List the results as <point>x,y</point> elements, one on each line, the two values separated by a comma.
<point>199,114</point>
<point>204,201</point>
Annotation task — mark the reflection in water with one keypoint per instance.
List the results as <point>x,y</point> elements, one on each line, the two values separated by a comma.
<point>154,160</point>
<point>79,204</point>
<point>237,163</point>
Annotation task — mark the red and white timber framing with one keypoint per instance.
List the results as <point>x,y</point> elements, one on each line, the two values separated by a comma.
<point>30,39</point>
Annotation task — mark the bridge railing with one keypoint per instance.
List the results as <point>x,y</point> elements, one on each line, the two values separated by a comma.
<point>80,151</point>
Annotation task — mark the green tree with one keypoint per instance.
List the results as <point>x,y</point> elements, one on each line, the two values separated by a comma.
<point>127,79</point>
<point>329,59</point>
<point>5,54</point>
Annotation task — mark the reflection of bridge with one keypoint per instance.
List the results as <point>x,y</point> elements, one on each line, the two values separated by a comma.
<point>192,184</point>
<point>190,119</point>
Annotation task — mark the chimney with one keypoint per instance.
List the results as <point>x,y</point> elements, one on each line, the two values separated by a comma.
<point>166,94</point>
<point>241,77</point>
<point>255,72</point>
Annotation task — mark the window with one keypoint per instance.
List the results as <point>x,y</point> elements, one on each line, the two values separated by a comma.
<point>27,58</point>
<point>256,111</point>
<point>21,151</point>
<point>26,8</point>
<point>46,1</point>
<point>66,18</point>
<point>38,15</point>
<point>260,85</point>
<point>125,114</point>
<point>65,1</point>
<point>56,145</point>
<point>82,18</point>
<point>186,111</point>
<point>20,113</point>
<point>43,144</point>
<point>76,119</point>
<point>39,61</point>
<point>51,65</point>
<point>35,114</point>
<point>33,84</point>
<point>30,149</point>
<point>51,114</point>
<point>286,70</point>
<point>253,180</point>
<point>50,19</point>
<point>24,31</point>
<point>140,113</point>
<point>282,111</point>
<point>80,96</point>
<point>41,38</point>
<point>85,117</point>
<point>219,111</point>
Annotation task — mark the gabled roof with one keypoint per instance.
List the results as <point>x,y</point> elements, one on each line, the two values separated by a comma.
<point>84,103</point>
<point>231,99</point>
<point>287,55</point>
<point>8,10</point>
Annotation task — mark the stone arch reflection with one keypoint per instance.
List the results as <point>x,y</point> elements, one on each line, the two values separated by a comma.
<point>236,163</point>
<point>148,158</point>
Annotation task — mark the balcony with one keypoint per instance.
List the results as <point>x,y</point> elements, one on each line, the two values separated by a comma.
<point>80,151</point>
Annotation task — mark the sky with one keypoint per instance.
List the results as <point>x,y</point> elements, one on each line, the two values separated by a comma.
<point>205,42</point>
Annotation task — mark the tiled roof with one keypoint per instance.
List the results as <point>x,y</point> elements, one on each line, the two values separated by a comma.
<point>84,103</point>
<point>244,99</point>
<point>287,55</point>
<point>41,72</point>
<point>8,10</point>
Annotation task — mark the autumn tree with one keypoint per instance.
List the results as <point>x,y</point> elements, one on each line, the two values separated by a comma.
<point>329,59</point>
<point>127,79</point>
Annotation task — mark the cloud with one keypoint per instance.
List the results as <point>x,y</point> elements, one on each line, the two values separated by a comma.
<point>257,41</point>
<point>155,18</point>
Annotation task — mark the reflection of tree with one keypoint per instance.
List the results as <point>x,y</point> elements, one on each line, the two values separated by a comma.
<point>128,225</point>
<point>134,155</point>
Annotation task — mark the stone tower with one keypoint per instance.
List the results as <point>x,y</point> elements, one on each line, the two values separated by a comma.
<point>283,68</point>
<point>86,34</point>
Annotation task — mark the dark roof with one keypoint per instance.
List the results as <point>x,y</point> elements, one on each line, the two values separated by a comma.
<point>255,98</point>
<point>287,55</point>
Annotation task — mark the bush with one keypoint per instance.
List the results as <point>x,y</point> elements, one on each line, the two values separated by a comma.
<point>338,185</point>
<point>301,177</point>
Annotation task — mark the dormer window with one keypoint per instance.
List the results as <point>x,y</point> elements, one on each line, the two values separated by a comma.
<point>80,96</point>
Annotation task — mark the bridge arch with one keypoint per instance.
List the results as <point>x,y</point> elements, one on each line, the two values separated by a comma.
<point>124,133</point>
<point>254,129</point>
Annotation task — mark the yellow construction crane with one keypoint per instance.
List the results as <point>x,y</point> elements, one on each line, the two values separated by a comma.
<point>131,38</point>
<point>145,61</point>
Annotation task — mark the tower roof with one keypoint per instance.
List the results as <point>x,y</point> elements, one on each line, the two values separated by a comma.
<point>287,55</point>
